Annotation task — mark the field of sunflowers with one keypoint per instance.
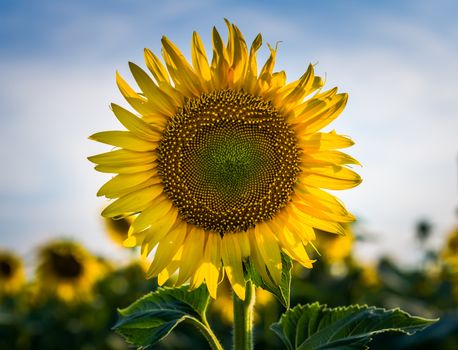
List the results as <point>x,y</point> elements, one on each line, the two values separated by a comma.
<point>70,297</point>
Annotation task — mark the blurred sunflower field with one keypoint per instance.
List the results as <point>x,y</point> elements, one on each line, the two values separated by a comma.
<point>68,298</point>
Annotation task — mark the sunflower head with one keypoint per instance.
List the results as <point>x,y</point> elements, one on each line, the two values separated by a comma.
<point>67,270</point>
<point>449,253</point>
<point>223,160</point>
<point>12,275</point>
<point>117,229</point>
<point>335,248</point>
<point>451,246</point>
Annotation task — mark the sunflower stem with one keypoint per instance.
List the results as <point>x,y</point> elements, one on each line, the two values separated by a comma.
<point>243,318</point>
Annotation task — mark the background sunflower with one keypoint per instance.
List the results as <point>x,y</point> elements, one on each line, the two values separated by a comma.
<point>66,269</point>
<point>117,229</point>
<point>12,274</point>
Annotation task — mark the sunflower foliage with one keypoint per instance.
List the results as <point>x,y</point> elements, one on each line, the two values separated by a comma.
<point>303,327</point>
<point>280,291</point>
<point>154,316</point>
<point>317,327</point>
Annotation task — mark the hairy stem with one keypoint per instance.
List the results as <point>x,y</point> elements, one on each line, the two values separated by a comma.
<point>243,319</point>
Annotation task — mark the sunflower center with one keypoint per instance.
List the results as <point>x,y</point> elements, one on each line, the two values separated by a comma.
<point>228,160</point>
<point>66,266</point>
<point>6,269</point>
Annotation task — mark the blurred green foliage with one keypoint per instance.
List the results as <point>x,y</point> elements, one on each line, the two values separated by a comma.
<point>29,320</point>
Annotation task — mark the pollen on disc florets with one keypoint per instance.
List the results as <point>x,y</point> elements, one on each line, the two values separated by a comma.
<point>228,160</point>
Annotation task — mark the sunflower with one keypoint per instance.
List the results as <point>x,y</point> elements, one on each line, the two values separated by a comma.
<point>117,229</point>
<point>67,270</point>
<point>336,248</point>
<point>449,257</point>
<point>222,162</point>
<point>449,253</point>
<point>12,275</point>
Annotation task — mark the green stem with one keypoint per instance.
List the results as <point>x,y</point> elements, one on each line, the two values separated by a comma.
<point>243,319</point>
<point>207,332</point>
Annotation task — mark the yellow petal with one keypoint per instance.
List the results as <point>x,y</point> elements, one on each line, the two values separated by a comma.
<point>331,177</point>
<point>322,200</point>
<point>126,169</point>
<point>208,267</point>
<point>321,214</point>
<point>291,244</point>
<point>123,183</point>
<point>193,251</point>
<point>267,69</point>
<point>325,141</point>
<point>133,202</point>
<point>156,68</point>
<point>303,87</point>
<point>301,229</point>
<point>328,226</point>
<point>213,259</point>
<point>315,105</point>
<point>158,231</point>
<point>179,69</point>
<point>133,239</point>
<point>313,121</point>
<point>199,58</point>
<point>130,242</point>
<point>244,243</point>
<point>270,252</point>
<point>154,213</point>
<point>139,103</point>
<point>257,259</point>
<point>252,68</point>
<point>232,259</point>
<point>237,53</point>
<point>306,84</point>
<point>122,157</point>
<point>156,97</point>
<point>328,158</point>
<point>124,139</point>
<point>136,125</point>
<point>220,62</point>
<point>165,274</point>
<point>167,248</point>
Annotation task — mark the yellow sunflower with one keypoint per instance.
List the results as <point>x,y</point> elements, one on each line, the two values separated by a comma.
<point>67,270</point>
<point>336,248</point>
<point>449,253</point>
<point>12,274</point>
<point>222,162</point>
<point>117,229</point>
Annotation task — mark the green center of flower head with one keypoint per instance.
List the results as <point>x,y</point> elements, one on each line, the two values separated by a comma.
<point>65,265</point>
<point>6,270</point>
<point>228,160</point>
<point>228,164</point>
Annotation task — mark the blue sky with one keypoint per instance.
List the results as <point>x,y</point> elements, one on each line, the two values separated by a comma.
<point>398,60</point>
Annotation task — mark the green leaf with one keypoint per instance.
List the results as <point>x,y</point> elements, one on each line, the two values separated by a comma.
<point>317,327</point>
<point>282,291</point>
<point>154,316</point>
